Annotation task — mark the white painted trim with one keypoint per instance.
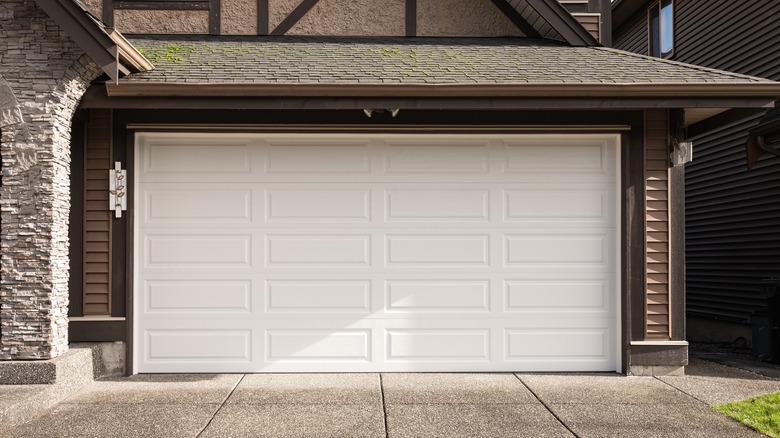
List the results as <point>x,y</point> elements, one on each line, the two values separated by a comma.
<point>660,343</point>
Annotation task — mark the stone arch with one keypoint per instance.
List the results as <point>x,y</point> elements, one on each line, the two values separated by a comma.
<point>35,199</point>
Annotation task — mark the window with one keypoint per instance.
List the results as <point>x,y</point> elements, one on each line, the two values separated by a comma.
<point>661,19</point>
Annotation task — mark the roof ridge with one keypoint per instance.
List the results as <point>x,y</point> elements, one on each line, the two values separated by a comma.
<point>685,64</point>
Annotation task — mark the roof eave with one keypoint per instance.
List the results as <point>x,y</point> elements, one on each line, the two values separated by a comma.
<point>767,91</point>
<point>565,23</point>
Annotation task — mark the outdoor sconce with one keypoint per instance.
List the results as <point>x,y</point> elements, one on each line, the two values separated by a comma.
<point>682,153</point>
<point>370,111</point>
<point>117,189</point>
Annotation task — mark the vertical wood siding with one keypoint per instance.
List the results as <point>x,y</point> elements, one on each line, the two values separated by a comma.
<point>97,217</point>
<point>657,223</point>
<point>632,37</point>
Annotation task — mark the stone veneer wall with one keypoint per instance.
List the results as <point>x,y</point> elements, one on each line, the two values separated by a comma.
<point>47,74</point>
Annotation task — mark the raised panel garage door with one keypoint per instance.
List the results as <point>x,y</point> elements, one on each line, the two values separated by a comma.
<point>341,252</point>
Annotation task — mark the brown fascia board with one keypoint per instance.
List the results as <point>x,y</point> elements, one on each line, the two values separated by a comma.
<point>768,90</point>
<point>106,51</point>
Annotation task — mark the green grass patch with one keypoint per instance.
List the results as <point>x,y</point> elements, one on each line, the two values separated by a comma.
<point>760,413</point>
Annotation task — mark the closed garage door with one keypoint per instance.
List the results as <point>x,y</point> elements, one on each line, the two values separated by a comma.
<point>340,252</point>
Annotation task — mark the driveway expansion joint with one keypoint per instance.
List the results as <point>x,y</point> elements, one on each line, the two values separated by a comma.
<point>222,405</point>
<point>571,431</point>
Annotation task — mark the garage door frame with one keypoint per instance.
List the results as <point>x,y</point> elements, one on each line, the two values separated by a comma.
<point>619,232</point>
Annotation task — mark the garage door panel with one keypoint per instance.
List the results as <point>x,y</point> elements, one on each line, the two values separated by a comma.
<point>559,295</point>
<point>318,204</point>
<point>319,296</point>
<point>427,345</point>
<point>332,156</point>
<point>365,253</point>
<point>318,250</point>
<point>316,346</point>
<point>197,296</point>
<point>182,204</point>
<point>545,250</point>
<point>560,204</point>
<point>192,344</point>
<point>419,251</point>
<point>198,250</point>
<point>444,296</point>
<point>422,157</point>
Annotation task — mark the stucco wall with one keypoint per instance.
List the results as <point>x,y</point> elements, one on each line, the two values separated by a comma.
<point>238,17</point>
<point>462,18</point>
<point>343,17</point>
<point>162,22</point>
<point>47,74</point>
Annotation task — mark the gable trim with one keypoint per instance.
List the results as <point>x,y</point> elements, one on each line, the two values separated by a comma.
<point>561,20</point>
<point>517,19</point>
<point>106,47</point>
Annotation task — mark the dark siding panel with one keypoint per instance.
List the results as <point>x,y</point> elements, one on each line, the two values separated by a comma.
<point>732,225</point>
<point>740,36</point>
<point>633,37</point>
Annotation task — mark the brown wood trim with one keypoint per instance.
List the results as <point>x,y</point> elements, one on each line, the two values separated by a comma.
<point>108,13</point>
<point>411,18</point>
<point>262,17</point>
<point>295,16</point>
<point>677,235</point>
<point>215,16</point>
<point>98,331</point>
<point>128,245</point>
<point>659,355</point>
<point>439,120</point>
<point>120,252</point>
<point>633,234</point>
<point>521,23</point>
<point>75,231</point>
<point>150,5</point>
<point>660,91</point>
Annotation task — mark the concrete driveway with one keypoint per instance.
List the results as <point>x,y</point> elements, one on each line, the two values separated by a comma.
<point>405,405</point>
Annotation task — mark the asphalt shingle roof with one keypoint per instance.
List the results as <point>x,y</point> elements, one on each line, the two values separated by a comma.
<point>313,60</point>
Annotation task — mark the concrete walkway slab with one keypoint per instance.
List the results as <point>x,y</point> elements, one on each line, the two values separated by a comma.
<point>120,421</point>
<point>713,383</point>
<point>472,420</point>
<point>454,388</point>
<point>601,388</point>
<point>337,389</point>
<point>288,420</point>
<point>160,389</point>
<point>646,421</point>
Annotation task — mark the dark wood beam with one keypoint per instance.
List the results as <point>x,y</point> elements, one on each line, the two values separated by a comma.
<point>517,19</point>
<point>215,16</point>
<point>294,17</point>
<point>411,18</point>
<point>262,17</point>
<point>161,5</point>
<point>561,20</point>
<point>108,13</point>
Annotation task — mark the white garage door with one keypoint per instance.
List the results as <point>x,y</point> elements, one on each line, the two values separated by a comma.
<point>325,252</point>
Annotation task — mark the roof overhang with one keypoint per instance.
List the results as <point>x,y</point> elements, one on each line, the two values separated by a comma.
<point>764,91</point>
<point>105,46</point>
<point>765,137</point>
<point>623,10</point>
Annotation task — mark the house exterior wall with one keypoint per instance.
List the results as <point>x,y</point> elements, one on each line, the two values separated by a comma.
<point>732,241</point>
<point>340,17</point>
<point>47,74</point>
